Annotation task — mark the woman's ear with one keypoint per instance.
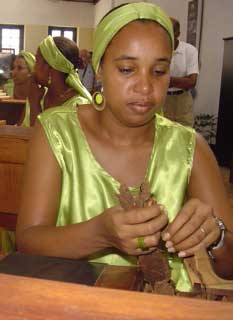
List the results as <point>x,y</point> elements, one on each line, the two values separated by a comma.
<point>99,74</point>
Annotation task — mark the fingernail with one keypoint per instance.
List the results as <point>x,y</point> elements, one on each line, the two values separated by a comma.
<point>172,250</point>
<point>166,236</point>
<point>150,203</point>
<point>181,254</point>
<point>169,244</point>
<point>161,207</point>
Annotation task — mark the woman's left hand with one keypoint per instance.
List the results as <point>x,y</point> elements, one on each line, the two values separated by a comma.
<point>193,228</point>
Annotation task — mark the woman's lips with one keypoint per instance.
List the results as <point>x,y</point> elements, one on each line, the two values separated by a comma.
<point>140,107</point>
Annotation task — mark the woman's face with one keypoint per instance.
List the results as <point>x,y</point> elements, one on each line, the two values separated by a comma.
<point>135,72</point>
<point>20,71</point>
<point>41,70</point>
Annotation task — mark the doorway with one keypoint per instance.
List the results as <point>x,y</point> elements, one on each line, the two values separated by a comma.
<point>224,137</point>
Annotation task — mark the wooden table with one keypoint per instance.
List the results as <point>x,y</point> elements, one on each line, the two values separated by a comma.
<point>71,270</point>
<point>37,299</point>
<point>28,297</point>
<point>11,110</point>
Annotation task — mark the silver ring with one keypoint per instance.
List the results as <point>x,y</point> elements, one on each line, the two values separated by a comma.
<point>203,231</point>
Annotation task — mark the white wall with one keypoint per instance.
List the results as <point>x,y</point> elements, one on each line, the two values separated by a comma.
<point>47,12</point>
<point>217,24</point>
<point>101,8</point>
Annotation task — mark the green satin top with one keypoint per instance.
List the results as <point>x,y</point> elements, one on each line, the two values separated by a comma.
<point>73,101</point>
<point>87,189</point>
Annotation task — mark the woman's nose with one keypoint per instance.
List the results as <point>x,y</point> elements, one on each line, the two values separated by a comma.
<point>144,84</point>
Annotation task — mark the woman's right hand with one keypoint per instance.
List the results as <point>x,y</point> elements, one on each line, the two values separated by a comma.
<point>122,228</point>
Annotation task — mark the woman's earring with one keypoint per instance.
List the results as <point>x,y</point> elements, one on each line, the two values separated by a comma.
<point>49,80</point>
<point>98,100</point>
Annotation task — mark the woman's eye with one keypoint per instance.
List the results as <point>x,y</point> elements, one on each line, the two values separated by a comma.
<point>160,72</point>
<point>125,70</point>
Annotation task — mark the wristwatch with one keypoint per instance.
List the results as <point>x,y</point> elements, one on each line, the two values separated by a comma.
<point>220,241</point>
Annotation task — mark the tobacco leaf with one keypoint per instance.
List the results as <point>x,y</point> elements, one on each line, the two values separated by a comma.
<point>154,266</point>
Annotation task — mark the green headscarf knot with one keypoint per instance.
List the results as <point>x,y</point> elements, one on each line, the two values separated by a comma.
<point>59,62</point>
<point>118,18</point>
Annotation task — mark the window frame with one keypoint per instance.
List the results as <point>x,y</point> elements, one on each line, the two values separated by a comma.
<point>63,29</point>
<point>21,34</point>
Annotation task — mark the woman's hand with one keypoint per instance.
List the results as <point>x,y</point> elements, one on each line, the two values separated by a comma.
<point>193,228</point>
<point>122,228</point>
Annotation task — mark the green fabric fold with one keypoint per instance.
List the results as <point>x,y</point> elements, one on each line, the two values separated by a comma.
<point>118,18</point>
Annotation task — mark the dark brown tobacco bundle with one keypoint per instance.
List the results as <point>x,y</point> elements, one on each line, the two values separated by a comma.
<point>154,265</point>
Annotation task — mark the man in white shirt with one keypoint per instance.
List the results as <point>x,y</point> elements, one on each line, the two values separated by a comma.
<point>184,71</point>
<point>86,72</point>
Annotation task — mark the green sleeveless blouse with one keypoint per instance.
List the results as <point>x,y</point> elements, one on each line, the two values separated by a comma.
<point>87,189</point>
<point>73,101</point>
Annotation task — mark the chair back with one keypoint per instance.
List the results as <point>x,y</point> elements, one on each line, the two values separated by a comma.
<point>13,154</point>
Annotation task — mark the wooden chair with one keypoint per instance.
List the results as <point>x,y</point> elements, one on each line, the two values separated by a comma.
<point>13,153</point>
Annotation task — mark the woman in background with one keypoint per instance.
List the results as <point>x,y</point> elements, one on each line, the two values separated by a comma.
<point>17,87</point>
<point>21,74</point>
<point>55,81</point>
<point>22,68</point>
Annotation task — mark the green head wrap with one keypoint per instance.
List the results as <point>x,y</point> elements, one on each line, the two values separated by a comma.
<point>118,18</point>
<point>29,58</point>
<point>58,61</point>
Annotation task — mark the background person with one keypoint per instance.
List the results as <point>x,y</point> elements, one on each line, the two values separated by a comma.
<point>184,71</point>
<point>23,66</point>
<point>86,72</point>
<point>72,210</point>
<point>55,81</point>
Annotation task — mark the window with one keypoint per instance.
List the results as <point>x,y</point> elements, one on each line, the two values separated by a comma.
<point>70,33</point>
<point>11,38</point>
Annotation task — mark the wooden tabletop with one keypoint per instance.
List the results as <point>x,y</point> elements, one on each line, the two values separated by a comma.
<point>11,101</point>
<point>29,289</point>
<point>29,298</point>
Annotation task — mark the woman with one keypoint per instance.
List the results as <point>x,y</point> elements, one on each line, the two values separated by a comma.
<point>55,81</point>
<point>18,88</point>
<point>72,210</point>
<point>22,68</point>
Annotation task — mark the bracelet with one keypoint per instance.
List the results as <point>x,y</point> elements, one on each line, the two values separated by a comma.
<point>220,241</point>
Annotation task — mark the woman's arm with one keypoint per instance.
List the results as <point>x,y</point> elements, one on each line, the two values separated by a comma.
<point>36,228</point>
<point>195,226</point>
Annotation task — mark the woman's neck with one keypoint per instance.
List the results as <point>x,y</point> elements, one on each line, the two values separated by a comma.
<point>21,90</point>
<point>122,135</point>
<point>56,96</point>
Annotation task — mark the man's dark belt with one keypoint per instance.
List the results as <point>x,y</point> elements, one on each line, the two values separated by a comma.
<point>175,93</point>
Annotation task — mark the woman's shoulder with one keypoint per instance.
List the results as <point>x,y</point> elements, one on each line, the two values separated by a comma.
<point>55,112</point>
<point>175,134</point>
<point>170,125</point>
